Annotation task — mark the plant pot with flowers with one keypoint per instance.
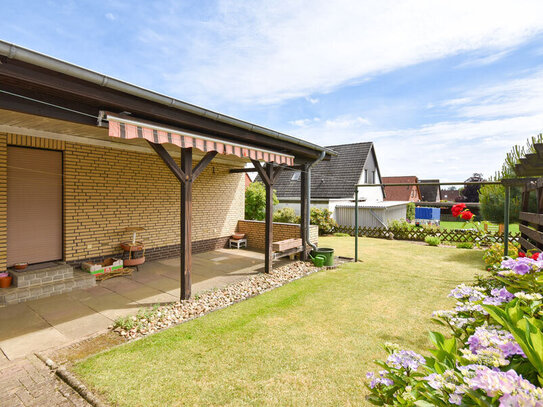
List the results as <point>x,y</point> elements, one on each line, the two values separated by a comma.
<point>5,280</point>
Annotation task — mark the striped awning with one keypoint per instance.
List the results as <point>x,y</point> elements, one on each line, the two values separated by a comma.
<point>124,128</point>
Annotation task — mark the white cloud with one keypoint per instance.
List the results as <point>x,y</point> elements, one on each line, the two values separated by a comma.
<point>110,16</point>
<point>484,60</point>
<point>484,124</point>
<point>312,100</point>
<point>251,51</point>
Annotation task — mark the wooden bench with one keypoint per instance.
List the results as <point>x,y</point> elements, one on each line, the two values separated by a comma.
<point>286,247</point>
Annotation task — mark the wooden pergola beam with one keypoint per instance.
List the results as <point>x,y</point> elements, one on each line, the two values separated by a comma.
<point>269,175</point>
<point>286,167</point>
<point>186,176</point>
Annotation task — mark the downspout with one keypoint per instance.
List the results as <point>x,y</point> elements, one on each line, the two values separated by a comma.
<point>308,193</point>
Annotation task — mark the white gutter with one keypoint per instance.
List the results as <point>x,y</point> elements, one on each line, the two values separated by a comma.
<point>18,53</point>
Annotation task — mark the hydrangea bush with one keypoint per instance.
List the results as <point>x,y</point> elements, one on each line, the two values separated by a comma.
<point>493,356</point>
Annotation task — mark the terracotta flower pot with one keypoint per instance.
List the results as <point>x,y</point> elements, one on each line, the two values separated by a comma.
<point>238,236</point>
<point>5,282</point>
<point>20,266</point>
<point>133,247</point>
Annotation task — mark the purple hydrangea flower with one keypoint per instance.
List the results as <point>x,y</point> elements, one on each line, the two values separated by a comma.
<point>498,296</point>
<point>405,359</point>
<point>509,385</point>
<point>467,292</point>
<point>380,380</point>
<point>485,338</point>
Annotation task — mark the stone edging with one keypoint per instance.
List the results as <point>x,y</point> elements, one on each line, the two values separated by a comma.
<point>72,381</point>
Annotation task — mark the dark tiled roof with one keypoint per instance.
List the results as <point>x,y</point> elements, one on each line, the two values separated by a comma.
<point>399,193</point>
<point>429,193</point>
<point>450,194</point>
<point>330,179</point>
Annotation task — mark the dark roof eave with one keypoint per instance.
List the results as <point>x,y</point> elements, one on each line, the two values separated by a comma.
<point>25,55</point>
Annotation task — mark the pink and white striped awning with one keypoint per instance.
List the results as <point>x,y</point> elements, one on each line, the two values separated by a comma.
<point>124,128</point>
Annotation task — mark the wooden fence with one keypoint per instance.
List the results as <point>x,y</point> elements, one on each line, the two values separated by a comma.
<point>419,234</point>
<point>531,223</point>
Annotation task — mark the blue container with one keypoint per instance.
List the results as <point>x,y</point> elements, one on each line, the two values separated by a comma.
<point>428,213</point>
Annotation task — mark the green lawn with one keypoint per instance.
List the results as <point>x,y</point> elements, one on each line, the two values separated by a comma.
<point>513,228</point>
<point>307,343</point>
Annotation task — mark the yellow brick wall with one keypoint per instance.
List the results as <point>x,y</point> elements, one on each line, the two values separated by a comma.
<point>106,190</point>
<point>3,201</point>
<point>255,232</point>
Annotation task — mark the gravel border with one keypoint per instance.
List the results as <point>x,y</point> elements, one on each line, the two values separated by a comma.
<point>150,321</point>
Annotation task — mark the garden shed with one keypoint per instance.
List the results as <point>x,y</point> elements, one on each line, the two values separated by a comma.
<point>371,214</point>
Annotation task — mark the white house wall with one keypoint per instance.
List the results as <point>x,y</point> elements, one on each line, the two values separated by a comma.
<point>370,194</point>
<point>344,215</point>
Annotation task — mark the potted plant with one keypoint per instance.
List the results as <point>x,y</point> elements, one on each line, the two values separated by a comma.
<point>5,280</point>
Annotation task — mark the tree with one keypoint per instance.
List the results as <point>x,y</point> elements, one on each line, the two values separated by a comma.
<point>470,193</point>
<point>286,215</point>
<point>255,201</point>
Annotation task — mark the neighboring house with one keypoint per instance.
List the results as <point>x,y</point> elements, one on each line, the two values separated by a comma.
<point>333,182</point>
<point>430,193</point>
<point>84,156</point>
<point>402,193</point>
<point>450,195</point>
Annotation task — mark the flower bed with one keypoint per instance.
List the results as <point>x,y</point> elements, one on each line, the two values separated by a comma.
<point>148,321</point>
<point>494,356</point>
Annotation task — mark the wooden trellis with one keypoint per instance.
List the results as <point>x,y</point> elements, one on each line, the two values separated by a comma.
<point>531,223</point>
<point>419,234</point>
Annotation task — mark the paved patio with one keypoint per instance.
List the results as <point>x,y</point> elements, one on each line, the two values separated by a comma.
<point>63,319</point>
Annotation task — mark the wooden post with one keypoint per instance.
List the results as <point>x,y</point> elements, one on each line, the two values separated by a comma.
<point>506,220</point>
<point>304,215</point>
<point>269,220</point>
<point>186,176</point>
<point>269,176</point>
<point>186,225</point>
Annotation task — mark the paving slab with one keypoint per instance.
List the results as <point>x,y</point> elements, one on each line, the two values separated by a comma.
<point>62,319</point>
<point>22,345</point>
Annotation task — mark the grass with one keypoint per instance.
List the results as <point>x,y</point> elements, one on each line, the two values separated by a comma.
<point>307,343</point>
<point>513,228</point>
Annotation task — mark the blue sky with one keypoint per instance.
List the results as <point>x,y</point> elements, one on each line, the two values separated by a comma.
<point>444,89</point>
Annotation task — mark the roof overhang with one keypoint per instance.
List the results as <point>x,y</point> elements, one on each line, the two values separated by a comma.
<point>38,84</point>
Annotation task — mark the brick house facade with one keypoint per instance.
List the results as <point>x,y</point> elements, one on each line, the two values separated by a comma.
<point>84,156</point>
<point>106,190</point>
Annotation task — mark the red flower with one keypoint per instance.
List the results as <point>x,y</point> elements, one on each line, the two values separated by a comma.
<point>467,215</point>
<point>535,256</point>
<point>521,254</point>
<point>457,209</point>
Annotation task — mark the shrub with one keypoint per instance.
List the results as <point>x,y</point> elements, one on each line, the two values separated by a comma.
<point>339,234</point>
<point>400,225</point>
<point>492,199</point>
<point>286,215</point>
<point>410,212</point>
<point>493,255</point>
<point>432,240</point>
<point>322,218</point>
<point>492,357</point>
<point>255,201</point>
<point>464,245</point>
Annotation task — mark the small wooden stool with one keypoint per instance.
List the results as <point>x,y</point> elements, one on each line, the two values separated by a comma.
<point>239,243</point>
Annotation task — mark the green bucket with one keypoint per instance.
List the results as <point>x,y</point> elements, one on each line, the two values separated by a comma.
<point>325,252</point>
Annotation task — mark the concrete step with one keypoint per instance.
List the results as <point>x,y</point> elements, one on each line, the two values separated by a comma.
<point>37,275</point>
<point>15,295</point>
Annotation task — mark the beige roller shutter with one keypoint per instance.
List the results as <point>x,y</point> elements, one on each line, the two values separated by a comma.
<point>34,205</point>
